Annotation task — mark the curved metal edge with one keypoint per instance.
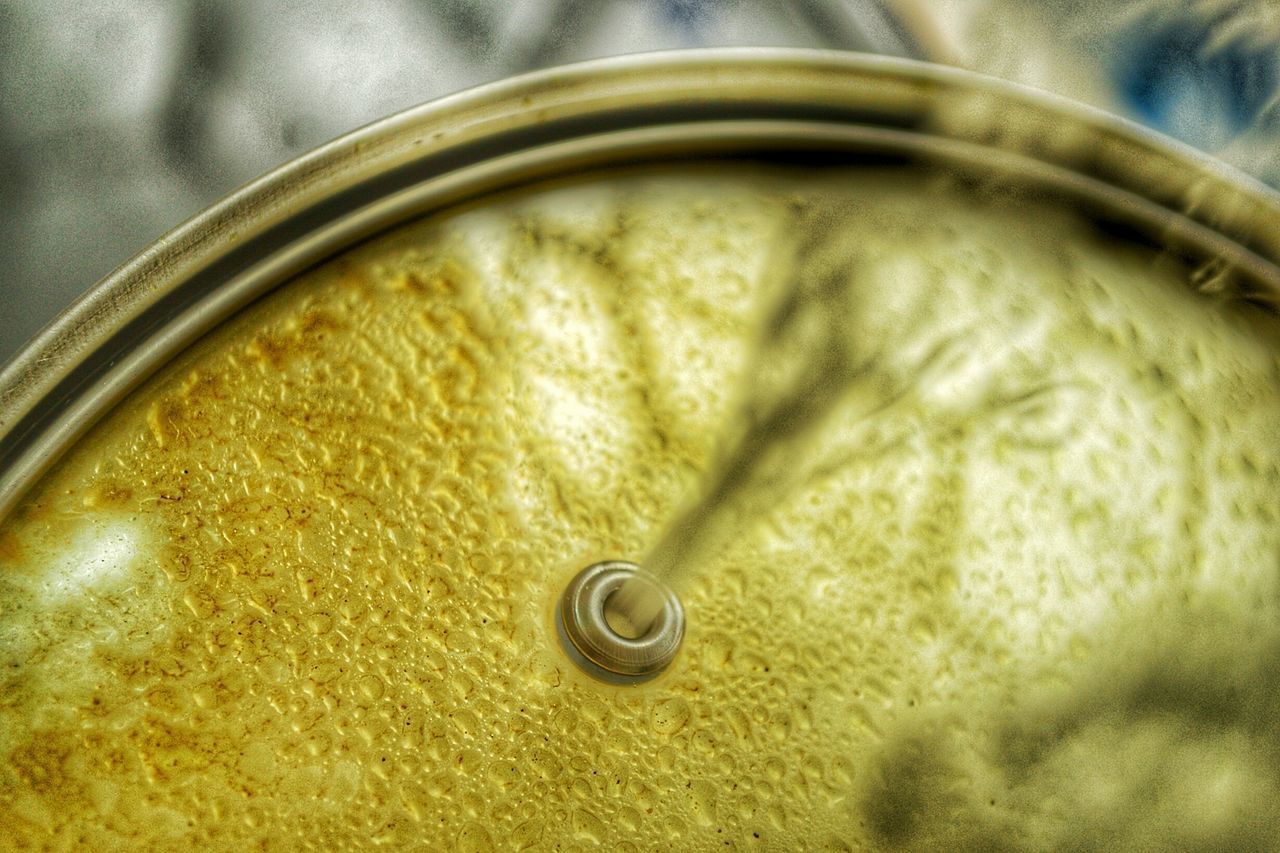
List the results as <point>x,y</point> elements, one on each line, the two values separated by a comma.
<point>935,101</point>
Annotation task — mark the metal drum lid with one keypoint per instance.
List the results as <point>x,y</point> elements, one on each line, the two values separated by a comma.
<point>301,587</point>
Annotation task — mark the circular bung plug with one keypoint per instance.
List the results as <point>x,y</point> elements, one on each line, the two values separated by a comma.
<point>601,640</point>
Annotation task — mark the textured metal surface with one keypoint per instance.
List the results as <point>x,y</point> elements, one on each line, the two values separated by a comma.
<point>590,116</point>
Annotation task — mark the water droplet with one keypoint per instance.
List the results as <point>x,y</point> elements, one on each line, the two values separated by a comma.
<point>670,716</point>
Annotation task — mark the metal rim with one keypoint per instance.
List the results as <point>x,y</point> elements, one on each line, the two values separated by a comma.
<point>141,316</point>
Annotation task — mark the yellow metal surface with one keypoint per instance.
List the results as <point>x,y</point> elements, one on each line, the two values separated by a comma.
<point>297,590</point>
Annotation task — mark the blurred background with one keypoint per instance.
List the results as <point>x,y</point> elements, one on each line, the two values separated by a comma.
<point>119,119</point>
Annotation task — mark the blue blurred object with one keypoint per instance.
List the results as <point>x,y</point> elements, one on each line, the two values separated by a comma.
<point>1206,72</point>
<point>687,14</point>
<point>1168,74</point>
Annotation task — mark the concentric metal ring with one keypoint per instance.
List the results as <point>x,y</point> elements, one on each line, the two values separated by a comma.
<point>597,648</point>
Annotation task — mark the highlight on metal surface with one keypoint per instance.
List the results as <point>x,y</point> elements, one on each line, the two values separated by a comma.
<point>602,650</point>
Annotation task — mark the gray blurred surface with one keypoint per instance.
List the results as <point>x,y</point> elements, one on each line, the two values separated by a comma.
<point>120,119</point>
